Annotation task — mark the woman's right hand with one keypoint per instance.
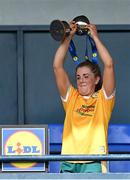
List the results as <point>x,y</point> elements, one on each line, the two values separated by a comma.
<point>73,28</point>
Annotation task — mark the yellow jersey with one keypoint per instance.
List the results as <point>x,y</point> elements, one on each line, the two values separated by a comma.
<point>86,123</point>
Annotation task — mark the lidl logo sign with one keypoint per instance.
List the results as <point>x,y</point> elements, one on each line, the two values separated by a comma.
<point>21,149</point>
<point>23,141</point>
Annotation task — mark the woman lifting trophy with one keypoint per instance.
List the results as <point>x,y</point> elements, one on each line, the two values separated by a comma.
<point>89,106</point>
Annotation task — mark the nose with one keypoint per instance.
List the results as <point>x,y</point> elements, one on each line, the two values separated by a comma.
<point>82,79</point>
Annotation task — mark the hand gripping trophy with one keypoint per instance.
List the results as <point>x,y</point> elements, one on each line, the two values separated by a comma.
<point>61,29</point>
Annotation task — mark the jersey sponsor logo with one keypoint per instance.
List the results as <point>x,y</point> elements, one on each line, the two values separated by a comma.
<point>85,110</point>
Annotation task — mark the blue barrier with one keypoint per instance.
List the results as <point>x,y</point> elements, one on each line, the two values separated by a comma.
<point>118,142</point>
<point>119,138</point>
<point>55,144</point>
<point>55,132</point>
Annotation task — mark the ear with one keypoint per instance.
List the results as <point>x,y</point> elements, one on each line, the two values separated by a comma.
<point>97,80</point>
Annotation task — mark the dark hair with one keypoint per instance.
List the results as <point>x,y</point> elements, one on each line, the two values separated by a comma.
<point>95,69</point>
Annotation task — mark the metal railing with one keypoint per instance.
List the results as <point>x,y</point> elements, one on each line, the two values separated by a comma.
<point>109,157</point>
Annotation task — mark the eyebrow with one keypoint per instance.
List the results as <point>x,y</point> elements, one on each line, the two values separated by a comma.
<point>83,74</point>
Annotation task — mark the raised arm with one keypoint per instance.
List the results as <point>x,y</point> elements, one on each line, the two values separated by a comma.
<point>61,76</point>
<point>108,74</point>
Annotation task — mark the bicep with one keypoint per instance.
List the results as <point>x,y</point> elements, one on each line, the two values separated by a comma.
<point>62,81</point>
<point>109,80</point>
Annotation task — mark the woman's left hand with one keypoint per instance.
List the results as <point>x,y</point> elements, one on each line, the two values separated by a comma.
<point>93,30</point>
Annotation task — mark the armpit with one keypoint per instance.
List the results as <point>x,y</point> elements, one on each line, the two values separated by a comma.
<point>65,98</point>
<point>109,97</point>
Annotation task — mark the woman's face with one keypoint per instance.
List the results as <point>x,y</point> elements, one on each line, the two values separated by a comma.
<point>86,81</point>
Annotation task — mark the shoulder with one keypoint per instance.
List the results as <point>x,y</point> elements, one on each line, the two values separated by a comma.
<point>70,93</point>
<point>103,93</point>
